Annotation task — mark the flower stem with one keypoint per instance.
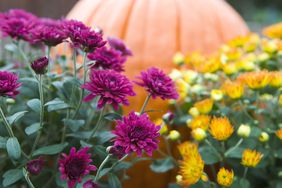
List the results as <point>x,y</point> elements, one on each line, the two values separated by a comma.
<point>245,172</point>
<point>82,90</point>
<point>116,163</point>
<point>26,176</point>
<point>65,127</point>
<point>235,147</point>
<point>101,167</point>
<point>6,123</point>
<point>97,125</point>
<point>145,104</point>
<point>213,148</point>
<point>74,63</point>
<point>41,96</point>
<point>48,56</point>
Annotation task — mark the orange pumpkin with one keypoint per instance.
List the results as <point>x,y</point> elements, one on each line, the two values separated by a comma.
<point>156,29</point>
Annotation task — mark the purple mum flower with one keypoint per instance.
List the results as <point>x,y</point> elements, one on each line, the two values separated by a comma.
<point>111,86</point>
<point>48,31</point>
<point>157,84</point>
<point>40,65</point>
<point>17,24</point>
<point>9,84</point>
<point>82,36</point>
<point>118,45</point>
<point>136,134</point>
<point>107,59</point>
<point>75,166</point>
<point>35,166</point>
<point>90,184</point>
<point>117,151</point>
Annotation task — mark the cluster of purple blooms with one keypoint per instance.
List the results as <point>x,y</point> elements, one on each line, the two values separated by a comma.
<point>135,133</point>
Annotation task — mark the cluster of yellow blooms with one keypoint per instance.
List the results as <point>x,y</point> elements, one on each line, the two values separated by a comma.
<point>242,69</point>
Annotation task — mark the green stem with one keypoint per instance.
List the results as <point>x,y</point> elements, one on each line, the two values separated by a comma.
<point>82,90</point>
<point>41,97</point>
<point>48,56</point>
<point>65,127</point>
<point>145,104</point>
<point>74,63</point>
<point>97,125</point>
<point>235,147</point>
<point>6,123</point>
<point>245,172</point>
<point>101,167</point>
<point>26,176</point>
<point>116,163</point>
<point>213,148</point>
<point>245,111</point>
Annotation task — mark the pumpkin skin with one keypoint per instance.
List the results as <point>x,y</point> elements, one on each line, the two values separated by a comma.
<point>155,30</point>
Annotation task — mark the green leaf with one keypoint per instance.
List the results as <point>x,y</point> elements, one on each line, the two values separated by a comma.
<point>112,116</point>
<point>12,176</point>
<point>114,181</point>
<point>209,155</point>
<point>162,165</point>
<point>103,172</point>
<point>85,144</point>
<point>56,104</point>
<point>105,136</point>
<point>74,125</point>
<point>50,150</point>
<point>34,104</point>
<point>3,142</point>
<point>241,183</point>
<point>236,153</point>
<point>13,148</point>
<point>15,117</point>
<point>32,128</point>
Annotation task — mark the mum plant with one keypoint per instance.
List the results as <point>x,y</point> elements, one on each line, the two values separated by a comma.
<point>62,125</point>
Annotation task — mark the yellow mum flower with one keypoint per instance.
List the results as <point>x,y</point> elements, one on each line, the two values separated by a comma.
<point>216,94</point>
<point>273,31</point>
<point>279,133</point>
<point>178,58</point>
<point>192,165</point>
<point>255,80</point>
<point>199,134</point>
<point>251,158</point>
<point>225,177</point>
<point>182,88</point>
<point>234,90</point>
<point>275,78</point>
<point>221,128</point>
<point>204,106</point>
<point>269,46</point>
<point>201,121</point>
<point>229,68</point>
<point>190,76</point>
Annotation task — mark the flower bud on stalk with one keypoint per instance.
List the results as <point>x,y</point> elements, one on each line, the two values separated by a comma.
<point>40,65</point>
<point>199,134</point>
<point>174,135</point>
<point>244,131</point>
<point>264,137</point>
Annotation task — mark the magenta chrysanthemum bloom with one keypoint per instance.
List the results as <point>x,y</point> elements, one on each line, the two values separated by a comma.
<point>136,134</point>
<point>75,166</point>
<point>117,151</point>
<point>40,65</point>
<point>17,23</point>
<point>35,166</point>
<point>118,45</point>
<point>48,31</point>
<point>90,184</point>
<point>112,88</point>
<point>9,84</point>
<point>82,36</point>
<point>107,59</point>
<point>157,84</point>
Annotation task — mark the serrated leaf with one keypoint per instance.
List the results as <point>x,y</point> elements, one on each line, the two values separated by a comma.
<point>162,165</point>
<point>56,104</point>
<point>13,148</point>
<point>74,125</point>
<point>32,128</point>
<point>50,150</point>
<point>15,117</point>
<point>12,176</point>
<point>114,181</point>
<point>112,116</point>
<point>34,104</point>
<point>3,142</point>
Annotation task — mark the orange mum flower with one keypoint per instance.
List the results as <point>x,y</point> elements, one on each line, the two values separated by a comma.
<point>255,80</point>
<point>204,106</point>
<point>201,121</point>
<point>275,78</point>
<point>234,90</point>
<point>273,31</point>
<point>225,177</point>
<point>221,128</point>
<point>251,158</point>
<point>279,133</point>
